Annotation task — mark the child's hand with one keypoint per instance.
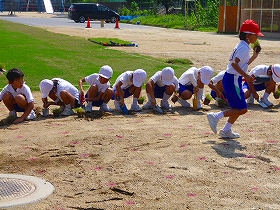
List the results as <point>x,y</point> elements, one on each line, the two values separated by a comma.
<point>257,49</point>
<point>18,120</point>
<point>256,96</point>
<point>249,78</point>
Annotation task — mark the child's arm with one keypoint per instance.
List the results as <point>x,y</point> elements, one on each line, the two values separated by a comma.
<point>213,87</point>
<point>81,81</point>
<point>25,114</point>
<point>120,93</point>
<point>235,65</point>
<point>150,86</point>
<point>254,56</point>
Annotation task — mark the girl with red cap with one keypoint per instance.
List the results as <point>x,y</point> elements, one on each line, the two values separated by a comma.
<point>232,80</point>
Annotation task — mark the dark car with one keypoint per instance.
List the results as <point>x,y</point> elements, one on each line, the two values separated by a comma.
<point>80,12</point>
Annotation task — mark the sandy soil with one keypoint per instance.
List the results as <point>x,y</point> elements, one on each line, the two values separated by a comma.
<point>169,161</point>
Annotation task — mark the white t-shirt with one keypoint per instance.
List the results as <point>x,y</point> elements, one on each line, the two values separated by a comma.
<point>189,77</point>
<point>65,85</point>
<point>259,70</point>
<point>93,79</point>
<point>218,77</point>
<point>126,78</point>
<point>241,51</point>
<point>25,90</point>
<point>158,80</point>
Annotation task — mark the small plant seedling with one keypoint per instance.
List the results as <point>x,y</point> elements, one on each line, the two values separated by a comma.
<point>141,99</point>
<point>80,112</point>
<point>56,112</point>
<point>221,102</point>
<point>208,99</point>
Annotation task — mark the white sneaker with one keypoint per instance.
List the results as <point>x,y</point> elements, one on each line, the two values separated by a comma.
<point>135,107</point>
<point>267,102</point>
<point>117,105</point>
<point>165,105</point>
<point>213,121</point>
<point>148,105</point>
<point>228,134</point>
<point>183,102</point>
<point>250,100</point>
<point>31,115</point>
<point>67,112</point>
<point>104,107</point>
<point>13,113</point>
<point>89,107</point>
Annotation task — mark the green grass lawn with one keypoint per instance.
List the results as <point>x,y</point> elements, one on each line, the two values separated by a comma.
<point>41,54</point>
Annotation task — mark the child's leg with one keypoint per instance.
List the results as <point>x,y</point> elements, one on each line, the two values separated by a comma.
<point>67,99</point>
<point>9,101</point>
<point>92,91</point>
<point>21,101</point>
<point>108,95</point>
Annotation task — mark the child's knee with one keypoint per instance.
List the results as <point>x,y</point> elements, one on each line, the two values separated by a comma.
<point>8,96</point>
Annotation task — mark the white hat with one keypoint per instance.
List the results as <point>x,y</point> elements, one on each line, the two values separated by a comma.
<point>276,73</point>
<point>206,73</point>
<point>167,75</point>
<point>106,72</point>
<point>46,86</point>
<point>139,76</point>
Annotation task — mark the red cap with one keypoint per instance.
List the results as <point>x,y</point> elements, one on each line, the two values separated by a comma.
<point>250,27</point>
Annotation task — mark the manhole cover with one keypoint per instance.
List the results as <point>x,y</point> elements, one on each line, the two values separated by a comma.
<point>20,189</point>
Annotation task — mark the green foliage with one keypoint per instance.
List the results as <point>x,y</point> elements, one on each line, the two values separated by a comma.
<point>42,54</point>
<point>102,40</point>
<point>204,18</point>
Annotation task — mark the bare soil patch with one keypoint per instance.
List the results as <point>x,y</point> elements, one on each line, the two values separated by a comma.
<point>148,160</point>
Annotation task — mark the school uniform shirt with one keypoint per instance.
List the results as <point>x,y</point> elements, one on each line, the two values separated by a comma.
<point>189,77</point>
<point>67,86</point>
<point>218,77</point>
<point>93,79</point>
<point>25,90</point>
<point>241,51</point>
<point>157,79</point>
<point>126,78</point>
<point>259,70</point>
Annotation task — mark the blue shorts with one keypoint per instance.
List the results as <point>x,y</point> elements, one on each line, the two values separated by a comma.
<point>159,91</point>
<point>126,93</point>
<point>18,108</point>
<point>182,88</point>
<point>233,91</point>
<point>258,87</point>
<point>95,103</point>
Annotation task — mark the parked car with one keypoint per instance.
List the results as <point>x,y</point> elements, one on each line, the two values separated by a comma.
<point>80,12</point>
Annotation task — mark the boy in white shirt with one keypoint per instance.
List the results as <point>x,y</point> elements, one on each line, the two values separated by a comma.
<point>192,82</point>
<point>99,93</point>
<point>62,92</point>
<point>127,84</point>
<point>161,85</point>
<point>251,91</point>
<point>17,96</point>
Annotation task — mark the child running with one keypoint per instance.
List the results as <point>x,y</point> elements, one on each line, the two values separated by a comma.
<point>232,80</point>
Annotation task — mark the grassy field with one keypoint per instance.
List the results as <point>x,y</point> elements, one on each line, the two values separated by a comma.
<point>41,54</point>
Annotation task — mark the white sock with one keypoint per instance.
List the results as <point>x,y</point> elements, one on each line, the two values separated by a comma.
<point>199,94</point>
<point>265,95</point>
<point>135,101</point>
<point>165,97</point>
<point>149,97</point>
<point>219,115</point>
<point>227,127</point>
<point>68,106</point>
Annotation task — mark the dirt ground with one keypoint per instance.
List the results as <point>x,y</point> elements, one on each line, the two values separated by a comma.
<point>150,160</point>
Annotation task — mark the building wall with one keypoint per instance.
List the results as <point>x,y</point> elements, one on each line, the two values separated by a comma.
<point>265,12</point>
